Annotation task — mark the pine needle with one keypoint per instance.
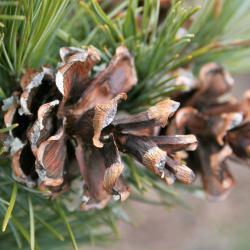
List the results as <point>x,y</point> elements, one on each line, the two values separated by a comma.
<point>3,130</point>
<point>16,235</point>
<point>12,17</point>
<point>50,228</point>
<point>32,224</point>
<point>8,3</point>
<point>10,208</point>
<point>2,94</point>
<point>21,229</point>
<point>68,227</point>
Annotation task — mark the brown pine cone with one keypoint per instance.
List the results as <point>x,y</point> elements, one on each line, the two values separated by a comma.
<point>221,124</point>
<point>69,126</point>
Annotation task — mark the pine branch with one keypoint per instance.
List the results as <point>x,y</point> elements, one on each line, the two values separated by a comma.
<point>158,51</point>
<point>28,29</point>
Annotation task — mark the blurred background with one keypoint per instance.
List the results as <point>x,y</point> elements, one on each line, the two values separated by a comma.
<point>204,225</point>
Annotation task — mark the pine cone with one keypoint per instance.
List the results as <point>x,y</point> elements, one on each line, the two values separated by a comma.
<point>69,126</point>
<point>222,127</point>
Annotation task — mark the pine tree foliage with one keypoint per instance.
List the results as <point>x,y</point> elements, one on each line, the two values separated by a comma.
<point>32,31</point>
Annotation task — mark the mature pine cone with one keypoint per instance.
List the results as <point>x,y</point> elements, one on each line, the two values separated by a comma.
<point>221,124</point>
<point>68,125</point>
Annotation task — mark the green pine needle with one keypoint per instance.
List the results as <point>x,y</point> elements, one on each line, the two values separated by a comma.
<point>61,213</point>
<point>51,229</point>
<point>32,224</point>
<point>8,3</point>
<point>12,17</point>
<point>2,94</point>
<point>4,130</point>
<point>10,208</point>
<point>16,235</point>
<point>23,231</point>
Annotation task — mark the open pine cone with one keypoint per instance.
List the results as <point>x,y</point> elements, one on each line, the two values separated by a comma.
<point>68,125</point>
<point>222,127</point>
